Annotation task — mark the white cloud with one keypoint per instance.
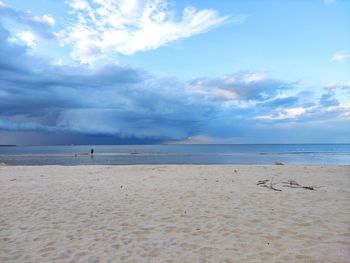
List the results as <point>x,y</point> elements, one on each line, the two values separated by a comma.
<point>16,22</point>
<point>332,85</point>
<point>284,114</point>
<point>252,86</point>
<point>254,77</point>
<point>343,109</point>
<point>346,85</point>
<point>79,5</point>
<point>340,56</point>
<point>105,28</point>
<point>27,37</point>
<point>47,19</point>
<point>225,94</point>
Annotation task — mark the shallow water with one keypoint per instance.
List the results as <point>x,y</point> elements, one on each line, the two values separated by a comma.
<point>177,154</point>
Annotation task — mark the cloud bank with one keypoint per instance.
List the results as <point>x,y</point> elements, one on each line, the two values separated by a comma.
<point>127,102</point>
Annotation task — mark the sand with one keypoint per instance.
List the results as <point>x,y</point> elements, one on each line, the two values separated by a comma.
<point>173,213</point>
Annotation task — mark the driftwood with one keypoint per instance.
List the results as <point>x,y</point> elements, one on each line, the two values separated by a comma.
<point>289,183</point>
<point>295,184</point>
<point>263,183</point>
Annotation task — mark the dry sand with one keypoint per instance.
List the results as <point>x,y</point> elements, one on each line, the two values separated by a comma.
<point>172,213</point>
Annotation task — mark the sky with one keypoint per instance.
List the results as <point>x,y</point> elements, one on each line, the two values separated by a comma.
<point>166,71</point>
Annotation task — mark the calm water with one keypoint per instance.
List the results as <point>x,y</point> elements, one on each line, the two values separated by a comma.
<point>178,154</point>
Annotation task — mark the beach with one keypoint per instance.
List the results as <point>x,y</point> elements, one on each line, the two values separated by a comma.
<point>175,213</point>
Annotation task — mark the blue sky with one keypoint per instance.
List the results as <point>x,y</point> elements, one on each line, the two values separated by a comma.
<point>131,71</point>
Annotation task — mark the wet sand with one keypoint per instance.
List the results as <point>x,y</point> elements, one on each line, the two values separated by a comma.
<point>174,213</point>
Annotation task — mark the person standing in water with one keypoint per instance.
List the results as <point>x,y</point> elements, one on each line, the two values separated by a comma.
<point>92,152</point>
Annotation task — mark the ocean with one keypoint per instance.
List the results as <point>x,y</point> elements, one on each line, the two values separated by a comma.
<point>177,154</point>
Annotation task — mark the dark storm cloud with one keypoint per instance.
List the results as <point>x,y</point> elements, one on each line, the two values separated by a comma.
<point>112,99</point>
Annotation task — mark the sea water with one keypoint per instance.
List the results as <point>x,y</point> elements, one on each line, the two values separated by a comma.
<point>177,154</point>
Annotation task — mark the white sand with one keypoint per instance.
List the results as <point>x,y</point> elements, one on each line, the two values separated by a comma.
<point>173,214</point>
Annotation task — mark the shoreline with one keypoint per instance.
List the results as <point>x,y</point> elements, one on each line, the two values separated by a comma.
<point>170,164</point>
<point>2,164</point>
<point>174,213</point>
